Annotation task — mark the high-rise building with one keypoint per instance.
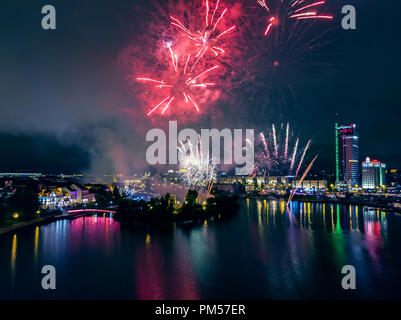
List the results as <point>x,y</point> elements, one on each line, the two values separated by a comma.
<point>373,174</point>
<point>347,155</point>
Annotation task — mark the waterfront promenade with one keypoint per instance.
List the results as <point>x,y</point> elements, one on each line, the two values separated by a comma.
<point>69,214</point>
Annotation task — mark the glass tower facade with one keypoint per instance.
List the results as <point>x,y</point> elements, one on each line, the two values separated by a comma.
<point>347,155</point>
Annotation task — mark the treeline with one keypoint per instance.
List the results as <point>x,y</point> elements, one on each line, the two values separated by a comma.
<point>105,197</point>
<point>23,203</point>
<point>167,209</point>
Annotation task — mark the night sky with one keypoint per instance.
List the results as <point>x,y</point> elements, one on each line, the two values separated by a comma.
<point>62,91</point>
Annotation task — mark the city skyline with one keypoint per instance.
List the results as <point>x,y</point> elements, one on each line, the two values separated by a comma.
<point>347,169</point>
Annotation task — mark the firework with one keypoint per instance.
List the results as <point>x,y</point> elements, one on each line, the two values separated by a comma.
<point>301,180</point>
<point>278,61</point>
<point>212,31</point>
<point>197,167</point>
<point>181,83</point>
<point>276,154</point>
<point>278,10</point>
<point>196,35</point>
<point>302,158</point>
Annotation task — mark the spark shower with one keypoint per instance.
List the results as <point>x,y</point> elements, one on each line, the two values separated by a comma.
<point>194,49</point>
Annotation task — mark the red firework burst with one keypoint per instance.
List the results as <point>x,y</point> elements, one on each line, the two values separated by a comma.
<point>292,9</point>
<point>181,83</point>
<point>211,33</point>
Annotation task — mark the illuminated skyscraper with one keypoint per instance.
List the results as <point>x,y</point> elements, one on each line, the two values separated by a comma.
<point>347,155</point>
<point>373,174</point>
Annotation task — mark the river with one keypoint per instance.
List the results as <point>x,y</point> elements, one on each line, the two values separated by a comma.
<point>264,252</point>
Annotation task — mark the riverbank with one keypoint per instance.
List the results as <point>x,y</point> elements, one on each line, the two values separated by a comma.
<point>359,202</point>
<point>188,217</point>
<point>40,221</point>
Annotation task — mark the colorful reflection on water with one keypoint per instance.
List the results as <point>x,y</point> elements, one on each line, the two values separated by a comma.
<point>332,217</point>
<point>267,251</point>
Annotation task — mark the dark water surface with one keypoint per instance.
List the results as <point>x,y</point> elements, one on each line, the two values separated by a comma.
<point>265,252</point>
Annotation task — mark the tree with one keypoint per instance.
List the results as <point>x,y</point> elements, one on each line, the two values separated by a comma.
<point>190,206</point>
<point>103,196</point>
<point>3,209</point>
<point>191,197</point>
<point>116,194</point>
<point>26,202</point>
<point>167,204</point>
<point>128,208</point>
<point>255,184</point>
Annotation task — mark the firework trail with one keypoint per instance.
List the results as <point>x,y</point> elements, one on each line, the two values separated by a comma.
<point>286,141</point>
<point>275,141</point>
<point>211,33</point>
<point>293,155</point>
<point>197,167</point>
<point>302,158</point>
<point>266,148</point>
<point>278,10</point>
<point>300,181</point>
<point>272,156</point>
<point>180,83</point>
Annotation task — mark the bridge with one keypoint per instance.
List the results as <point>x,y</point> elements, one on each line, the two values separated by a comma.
<point>89,211</point>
